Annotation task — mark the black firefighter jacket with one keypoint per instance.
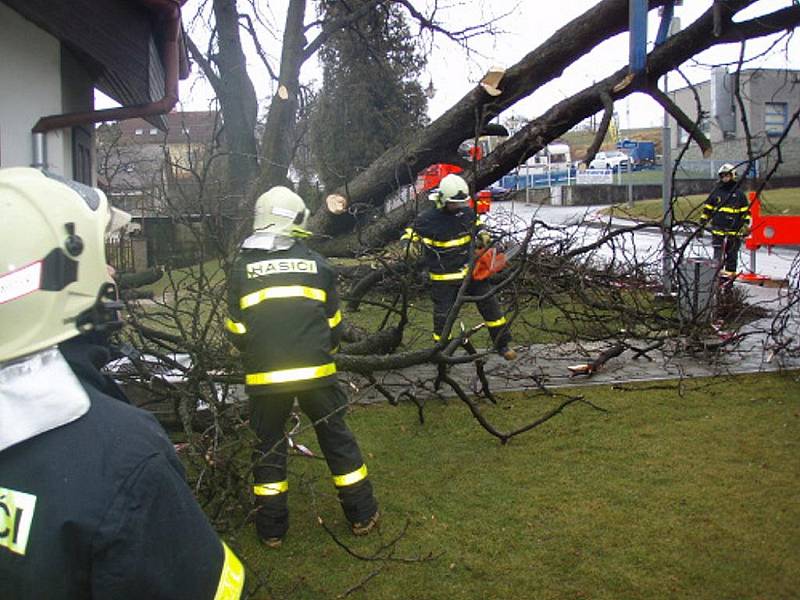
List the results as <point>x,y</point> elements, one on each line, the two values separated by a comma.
<point>727,209</point>
<point>446,238</point>
<point>99,508</point>
<point>284,318</point>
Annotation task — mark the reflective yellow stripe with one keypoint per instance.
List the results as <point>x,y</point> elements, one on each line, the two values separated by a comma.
<point>235,327</point>
<point>449,276</point>
<point>462,241</point>
<point>286,375</point>
<point>271,489</point>
<point>350,478</point>
<point>335,319</point>
<point>498,323</point>
<point>731,232</point>
<point>231,580</point>
<point>728,209</point>
<point>436,337</point>
<point>286,291</point>
<point>410,234</point>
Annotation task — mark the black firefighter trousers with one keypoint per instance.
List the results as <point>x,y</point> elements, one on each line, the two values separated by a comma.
<point>325,407</point>
<point>444,295</point>
<point>726,251</point>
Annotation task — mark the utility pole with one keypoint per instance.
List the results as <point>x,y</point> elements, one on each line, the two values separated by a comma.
<point>670,26</point>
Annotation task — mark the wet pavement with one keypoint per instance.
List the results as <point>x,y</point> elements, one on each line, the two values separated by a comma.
<point>753,350</point>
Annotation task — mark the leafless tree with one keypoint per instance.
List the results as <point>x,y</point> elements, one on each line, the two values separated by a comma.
<point>593,290</point>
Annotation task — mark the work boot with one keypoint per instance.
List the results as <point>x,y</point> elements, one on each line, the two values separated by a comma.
<point>272,542</point>
<point>364,527</point>
<point>507,353</point>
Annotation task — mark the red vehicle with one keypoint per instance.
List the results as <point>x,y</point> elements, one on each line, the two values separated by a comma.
<point>430,177</point>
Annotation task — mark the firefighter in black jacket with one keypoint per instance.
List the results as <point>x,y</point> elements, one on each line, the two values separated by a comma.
<point>285,320</point>
<point>446,232</point>
<point>93,502</point>
<point>727,212</point>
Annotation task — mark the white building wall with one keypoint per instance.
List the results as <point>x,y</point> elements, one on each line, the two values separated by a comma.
<point>32,86</point>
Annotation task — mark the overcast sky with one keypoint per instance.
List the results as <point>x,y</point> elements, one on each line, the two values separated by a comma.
<point>534,21</point>
<point>531,22</point>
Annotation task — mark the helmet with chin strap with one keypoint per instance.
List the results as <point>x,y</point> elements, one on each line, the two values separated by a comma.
<point>280,211</point>
<point>452,190</point>
<point>727,169</point>
<point>54,281</point>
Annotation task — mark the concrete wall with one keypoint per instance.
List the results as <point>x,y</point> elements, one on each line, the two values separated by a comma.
<point>36,79</point>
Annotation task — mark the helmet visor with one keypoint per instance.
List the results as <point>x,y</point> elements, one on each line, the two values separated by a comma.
<point>458,197</point>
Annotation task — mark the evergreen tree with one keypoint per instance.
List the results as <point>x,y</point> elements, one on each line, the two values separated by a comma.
<point>370,97</point>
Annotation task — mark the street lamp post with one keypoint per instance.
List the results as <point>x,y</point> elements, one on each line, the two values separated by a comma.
<point>666,196</point>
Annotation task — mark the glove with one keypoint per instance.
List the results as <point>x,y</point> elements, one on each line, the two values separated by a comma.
<point>483,240</point>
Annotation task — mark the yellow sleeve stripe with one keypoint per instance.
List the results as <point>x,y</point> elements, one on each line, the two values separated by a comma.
<point>335,319</point>
<point>235,327</point>
<point>231,580</point>
<point>410,234</point>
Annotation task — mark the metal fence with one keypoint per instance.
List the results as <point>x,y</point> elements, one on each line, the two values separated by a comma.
<point>119,254</point>
<point>545,176</point>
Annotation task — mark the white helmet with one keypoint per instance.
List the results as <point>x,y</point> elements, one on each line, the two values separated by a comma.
<point>53,273</point>
<point>727,168</point>
<point>454,189</point>
<point>280,211</point>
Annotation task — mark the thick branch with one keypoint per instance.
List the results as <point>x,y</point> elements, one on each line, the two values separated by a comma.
<point>608,113</point>
<point>439,141</point>
<point>683,119</point>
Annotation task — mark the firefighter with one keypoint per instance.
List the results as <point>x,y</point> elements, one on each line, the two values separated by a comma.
<point>284,318</point>
<point>93,501</point>
<point>727,213</point>
<point>446,234</point>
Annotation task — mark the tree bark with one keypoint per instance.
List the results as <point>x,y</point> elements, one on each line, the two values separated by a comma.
<point>237,99</point>
<point>278,141</point>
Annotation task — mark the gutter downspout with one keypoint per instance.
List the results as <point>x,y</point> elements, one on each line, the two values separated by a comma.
<point>171,11</point>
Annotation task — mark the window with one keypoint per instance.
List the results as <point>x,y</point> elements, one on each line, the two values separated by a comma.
<point>82,155</point>
<point>153,131</point>
<point>138,132</point>
<point>775,117</point>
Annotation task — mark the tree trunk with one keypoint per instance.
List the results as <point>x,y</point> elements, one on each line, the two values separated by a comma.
<point>237,100</point>
<point>278,142</point>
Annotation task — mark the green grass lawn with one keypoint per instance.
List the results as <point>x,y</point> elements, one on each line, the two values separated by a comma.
<point>690,492</point>
<point>775,202</point>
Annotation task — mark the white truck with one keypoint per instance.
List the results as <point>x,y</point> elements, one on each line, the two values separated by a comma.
<point>611,159</point>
